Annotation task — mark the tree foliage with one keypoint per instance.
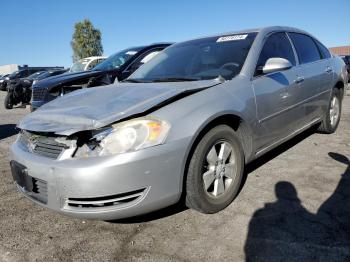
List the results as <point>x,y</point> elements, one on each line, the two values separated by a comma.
<point>86,40</point>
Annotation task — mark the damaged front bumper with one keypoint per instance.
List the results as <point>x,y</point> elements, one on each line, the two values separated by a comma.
<point>104,188</point>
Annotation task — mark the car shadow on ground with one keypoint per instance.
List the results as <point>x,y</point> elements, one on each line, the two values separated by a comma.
<point>162,213</point>
<point>180,207</point>
<point>7,130</point>
<point>285,231</point>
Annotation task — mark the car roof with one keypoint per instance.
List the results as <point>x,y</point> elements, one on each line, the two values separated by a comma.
<point>262,30</point>
<point>145,47</point>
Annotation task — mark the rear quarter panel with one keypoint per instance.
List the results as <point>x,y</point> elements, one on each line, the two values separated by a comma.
<point>339,69</point>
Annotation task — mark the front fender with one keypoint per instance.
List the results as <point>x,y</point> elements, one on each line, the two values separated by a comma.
<point>190,116</point>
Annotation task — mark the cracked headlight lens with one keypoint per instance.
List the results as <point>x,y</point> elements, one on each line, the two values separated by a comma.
<point>128,136</point>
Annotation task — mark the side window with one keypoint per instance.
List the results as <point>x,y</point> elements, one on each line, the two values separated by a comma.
<point>143,59</point>
<point>277,45</point>
<point>323,50</point>
<point>92,64</point>
<point>306,48</point>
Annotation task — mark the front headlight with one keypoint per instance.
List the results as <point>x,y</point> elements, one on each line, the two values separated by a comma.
<point>128,136</point>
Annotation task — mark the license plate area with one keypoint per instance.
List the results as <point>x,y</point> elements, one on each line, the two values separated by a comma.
<point>21,177</point>
<point>32,187</point>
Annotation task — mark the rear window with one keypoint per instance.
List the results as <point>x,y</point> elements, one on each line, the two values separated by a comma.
<point>306,48</point>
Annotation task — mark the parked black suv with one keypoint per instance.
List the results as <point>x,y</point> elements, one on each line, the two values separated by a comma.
<point>3,82</point>
<point>346,59</point>
<point>15,76</point>
<point>115,68</point>
<point>20,90</point>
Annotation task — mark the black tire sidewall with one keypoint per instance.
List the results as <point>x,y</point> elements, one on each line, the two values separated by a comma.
<point>8,102</point>
<point>205,203</point>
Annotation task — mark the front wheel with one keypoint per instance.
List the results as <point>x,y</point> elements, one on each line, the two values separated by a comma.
<point>331,119</point>
<point>8,101</point>
<point>215,171</point>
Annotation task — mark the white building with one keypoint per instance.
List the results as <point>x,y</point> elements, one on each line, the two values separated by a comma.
<point>8,69</point>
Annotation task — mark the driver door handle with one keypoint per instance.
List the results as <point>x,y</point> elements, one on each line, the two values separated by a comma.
<point>329,70</point>
<point>299,80</point>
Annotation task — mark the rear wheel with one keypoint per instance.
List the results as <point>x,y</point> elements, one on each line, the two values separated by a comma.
<point>8,101</point>
<point>215,171</point>
<point>331,119</point>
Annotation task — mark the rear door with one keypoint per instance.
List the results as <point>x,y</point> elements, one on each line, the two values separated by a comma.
<point>272,91</point>
<point>314,77</point>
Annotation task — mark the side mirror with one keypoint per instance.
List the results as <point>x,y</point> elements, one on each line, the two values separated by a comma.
<point>275,64</point>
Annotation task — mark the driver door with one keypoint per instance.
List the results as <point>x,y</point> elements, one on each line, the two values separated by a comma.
<point>274,100</point>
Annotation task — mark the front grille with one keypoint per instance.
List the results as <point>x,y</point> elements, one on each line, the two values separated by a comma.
<point>42,145</point>
<point>106,201</point>
<point>49,148</point>
<point>39,94</point>
<point>39,191</point>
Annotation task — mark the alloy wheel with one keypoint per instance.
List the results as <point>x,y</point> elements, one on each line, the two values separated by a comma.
<point>334,111</point>
<point>219,169</point>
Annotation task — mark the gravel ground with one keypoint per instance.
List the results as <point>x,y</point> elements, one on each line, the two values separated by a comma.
<point>294,206</point>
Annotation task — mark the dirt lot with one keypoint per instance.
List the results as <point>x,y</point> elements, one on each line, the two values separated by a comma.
<point>294,206</point>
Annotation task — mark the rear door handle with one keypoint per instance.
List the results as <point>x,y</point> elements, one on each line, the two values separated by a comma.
<point>299,80</point>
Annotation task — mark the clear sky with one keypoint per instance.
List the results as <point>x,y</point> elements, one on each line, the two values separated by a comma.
<point>38,33</point>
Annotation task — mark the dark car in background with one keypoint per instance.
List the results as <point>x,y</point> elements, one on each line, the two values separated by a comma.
<point>44,75</point>
<point>115,68</point>
<point>21,74</point>
<point>346,59</point>
<point>15,76</point>
<point>3,82</point>
<point>20,90</point>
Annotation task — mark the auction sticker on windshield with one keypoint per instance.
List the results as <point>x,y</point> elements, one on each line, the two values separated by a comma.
<point>231,38</point>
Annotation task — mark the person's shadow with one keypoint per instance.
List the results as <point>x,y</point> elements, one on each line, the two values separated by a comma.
<point>286,231</point>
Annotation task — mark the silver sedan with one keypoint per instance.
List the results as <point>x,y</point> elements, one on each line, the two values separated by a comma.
<point>185,123</point>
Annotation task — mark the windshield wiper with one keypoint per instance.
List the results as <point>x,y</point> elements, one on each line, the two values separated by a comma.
<point>175,79</point>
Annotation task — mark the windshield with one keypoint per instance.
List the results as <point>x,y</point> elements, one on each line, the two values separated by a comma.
<point>79,66</point>
<point>35,75</point>
<point>205,58</point>
<point>42,76</point>
<point>117,60</point>
<point>14,74</point>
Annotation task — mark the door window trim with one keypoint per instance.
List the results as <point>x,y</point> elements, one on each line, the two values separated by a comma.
<point>308,63</point>
<point>263,45</point>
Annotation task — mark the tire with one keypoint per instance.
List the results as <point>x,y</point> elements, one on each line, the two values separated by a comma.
<point>8,101</point>
<point>199,195</point>
<point>329,126</point>
<point>3,87</point>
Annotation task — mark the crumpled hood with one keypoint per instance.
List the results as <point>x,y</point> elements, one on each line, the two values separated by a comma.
<point>92,108</point>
